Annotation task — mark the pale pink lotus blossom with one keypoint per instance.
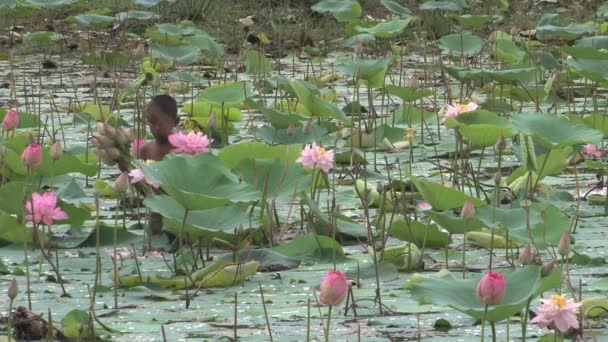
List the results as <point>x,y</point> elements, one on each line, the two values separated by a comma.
<point>316,156</point>
<point>592,150</point>
<point>11,120</point>
<point>560,311</point>
<point>491,288</point>
<point>44,209</point>
<point>424,206</point>
<point>452,111</point>
<point>137,175</point>
<point>333,288</point>
<point>155,254</point>
<point>69,254</point>
<point>191,143</point>
<point>121,253</point>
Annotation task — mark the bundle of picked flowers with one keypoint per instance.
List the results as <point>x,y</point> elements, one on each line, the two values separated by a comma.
<point>113,144</point>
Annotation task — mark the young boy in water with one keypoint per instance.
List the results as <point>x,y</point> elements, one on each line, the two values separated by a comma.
<point>161,115</point>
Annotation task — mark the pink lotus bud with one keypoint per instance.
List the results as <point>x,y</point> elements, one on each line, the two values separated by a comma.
<point>122,182</point>
<point>13,289</point>
<point>102,141</point>
<point>113,153</point>
<point>32,156</point>
<point>468,209</point>
<point>124,135</point>
<point>497,177</point>
<point>501,143</point>
<point>564,244</point>
<point>547,269</point>
<point>491,288</point>
<point>11,120</point>
<point>525,256</point>
<point>101,127</point>
<point>291,129</point>
<point>333,287</point>
<point>56,150</point>
<point>212,122</point>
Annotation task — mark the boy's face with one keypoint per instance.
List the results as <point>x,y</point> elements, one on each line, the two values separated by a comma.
<point>161,125</point>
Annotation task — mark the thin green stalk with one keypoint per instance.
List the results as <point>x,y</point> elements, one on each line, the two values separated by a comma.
<point>328,324</point>
<point>483,323</point>
<point>27,275</point>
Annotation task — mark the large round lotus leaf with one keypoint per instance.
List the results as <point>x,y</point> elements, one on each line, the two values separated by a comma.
<point>182,54</point>
<point>93,20</point>
<point>504,48</point>
<point>408,94</point>
<point>554,131</point>
<point>465,74</point>
<point>274,178</point>
<point>442,197</point>
<point>596,42</point>
<point>199,181</point>
<point>220,222</point>
<point>233,154</point>
<point>135,14</point>
<point>317,105</point>
<point>419,233</point>
<point>549,28</point>
<point>204,109</point>
<point>386,29</point>
<point>545,233</point>
<point>521,284</point>
<point>589,62</point>
<point>476,21</point>
<point>312,247</point>
<point>453,6</point>
<point>461,44</point>
<point>147,3</point>
<point>42,37</point>
<point>516,75</point>
<point>372,71</point>
<point>49,4</point>
<point>227,93</point>
<point>482,128</point>
<point>396,8</point>
<point>205,43</point>
<point>343,10</point>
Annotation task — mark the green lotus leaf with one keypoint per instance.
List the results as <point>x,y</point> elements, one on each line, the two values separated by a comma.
<point>200,181</point>
<point>448,290</point>
<point>461,44</point>
<point>554,131</point>
<point>343,10</point>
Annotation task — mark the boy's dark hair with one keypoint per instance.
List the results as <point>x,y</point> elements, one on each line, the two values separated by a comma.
<point>166,103</point>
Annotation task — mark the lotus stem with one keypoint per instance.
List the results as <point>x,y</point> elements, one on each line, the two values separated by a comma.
<point>328,323</point>
<point>483,323</point>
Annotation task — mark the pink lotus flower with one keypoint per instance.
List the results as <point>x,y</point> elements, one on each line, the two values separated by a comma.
<point>424,206</point>
<point>491,288</point>
<point>191,143</point>
<point>333,287</point>
<point>452,111</point>
<point>32,156</point>
<point>136,147</point>
<point>121,253</point>
<point>11,120</point>
<point>592,150</point>
<point>560,311</point>
<point>316,156</point>
<point>56,150</point>
<point>137,175</point>
<point>44,209</point>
